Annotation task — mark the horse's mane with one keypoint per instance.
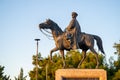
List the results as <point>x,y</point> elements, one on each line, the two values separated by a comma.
<point>56,26</point>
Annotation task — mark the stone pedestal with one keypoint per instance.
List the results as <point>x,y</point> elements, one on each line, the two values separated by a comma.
<point>80,74</point>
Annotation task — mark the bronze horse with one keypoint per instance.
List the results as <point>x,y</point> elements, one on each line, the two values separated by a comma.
<point>86,41</point>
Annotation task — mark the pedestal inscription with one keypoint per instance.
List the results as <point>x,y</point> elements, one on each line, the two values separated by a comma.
<point>80,74</point>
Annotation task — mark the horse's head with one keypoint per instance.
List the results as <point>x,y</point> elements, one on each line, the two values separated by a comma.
<point>48,24</point>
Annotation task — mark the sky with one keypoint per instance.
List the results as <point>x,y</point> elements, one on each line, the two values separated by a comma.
<point>19,20</point>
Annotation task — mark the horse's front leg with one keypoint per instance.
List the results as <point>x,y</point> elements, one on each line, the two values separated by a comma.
<point>53,50</point>
<point>63,58</point>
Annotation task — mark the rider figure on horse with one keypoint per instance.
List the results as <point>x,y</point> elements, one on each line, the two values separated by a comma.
<point>73,31</point>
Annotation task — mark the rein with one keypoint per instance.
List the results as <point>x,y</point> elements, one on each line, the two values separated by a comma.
<point>48,36</point>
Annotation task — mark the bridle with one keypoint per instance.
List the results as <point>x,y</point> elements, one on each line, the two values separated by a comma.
<point>47,35</point>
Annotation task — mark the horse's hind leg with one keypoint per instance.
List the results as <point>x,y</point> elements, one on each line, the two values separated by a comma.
<point>84,56</point>
<point>54,49</point>
<point>96,55</point>
<point>63,58</point>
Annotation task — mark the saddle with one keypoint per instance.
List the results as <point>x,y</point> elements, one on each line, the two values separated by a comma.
<point>69,37</point>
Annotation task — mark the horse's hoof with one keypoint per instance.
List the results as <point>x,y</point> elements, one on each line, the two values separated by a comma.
<point>96,67</point>
<point>78,66</point>
<point>63,67</point>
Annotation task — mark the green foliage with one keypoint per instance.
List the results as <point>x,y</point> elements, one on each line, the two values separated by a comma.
<point>2,76</point>
<point>72,59</point>
<point>110,69</point>
<point>117,63</point>
<point>117,46</point>
<point>113,70</point>
<point>117,75</point>
<point>46,66</point>
<point>20,76</point>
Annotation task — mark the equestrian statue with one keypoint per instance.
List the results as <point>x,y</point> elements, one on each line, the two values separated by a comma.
<point>72,38</point>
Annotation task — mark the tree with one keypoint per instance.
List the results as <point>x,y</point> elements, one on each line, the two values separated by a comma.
<point>20,76</point>
<point>2,76</point>
<point>117,75</point>
<point>117,46</point>
<point>110,69</point>
<point>47,69</point>
<point>117,62</point>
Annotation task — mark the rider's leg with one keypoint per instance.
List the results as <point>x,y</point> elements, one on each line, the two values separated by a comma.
<point>75,42</point>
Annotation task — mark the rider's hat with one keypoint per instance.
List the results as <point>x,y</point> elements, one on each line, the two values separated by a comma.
<point>74,14</point>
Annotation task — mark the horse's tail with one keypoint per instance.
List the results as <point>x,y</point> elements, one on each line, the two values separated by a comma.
<point>99,43</point>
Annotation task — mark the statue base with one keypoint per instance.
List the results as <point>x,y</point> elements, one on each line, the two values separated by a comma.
<point>80,74</point>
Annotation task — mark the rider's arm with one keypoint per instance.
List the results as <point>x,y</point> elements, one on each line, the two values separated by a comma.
<point>71,25</point>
